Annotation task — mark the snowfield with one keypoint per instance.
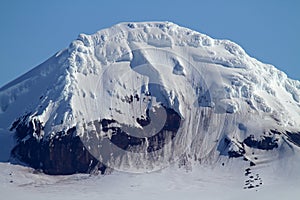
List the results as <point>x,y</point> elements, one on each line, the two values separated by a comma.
<point>174,183</point>
<point>171,113</point>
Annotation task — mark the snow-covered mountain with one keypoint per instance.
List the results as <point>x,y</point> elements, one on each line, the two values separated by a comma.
<point>139,97</point>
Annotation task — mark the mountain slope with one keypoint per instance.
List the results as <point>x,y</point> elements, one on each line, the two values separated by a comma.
<point>139,96</point>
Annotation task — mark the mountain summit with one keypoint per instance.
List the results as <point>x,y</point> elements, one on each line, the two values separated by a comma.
<point>137,97</point>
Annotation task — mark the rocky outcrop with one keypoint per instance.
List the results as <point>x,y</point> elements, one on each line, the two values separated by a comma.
<point>234,148</point>
<point>264,143</point>
<point>294,137</point>
<point>65,153</point>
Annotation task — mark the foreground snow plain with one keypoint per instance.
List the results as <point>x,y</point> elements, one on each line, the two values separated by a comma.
<point>201,182</point>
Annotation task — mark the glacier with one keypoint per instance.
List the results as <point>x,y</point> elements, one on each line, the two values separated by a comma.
<point>144,97</point>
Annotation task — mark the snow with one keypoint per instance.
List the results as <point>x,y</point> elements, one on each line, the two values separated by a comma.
<point>188,71</point>
<point>82,67</point>
<point>174,183</point>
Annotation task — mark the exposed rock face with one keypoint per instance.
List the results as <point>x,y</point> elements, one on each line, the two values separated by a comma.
<point>66,154</point>
<point>235,149</point>
<point>265,143</point>
<point>63,154</point>
<point>294,137</point>
<point>124,140</point>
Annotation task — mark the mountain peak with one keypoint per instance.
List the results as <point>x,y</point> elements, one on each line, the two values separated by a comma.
<point>149,93</point>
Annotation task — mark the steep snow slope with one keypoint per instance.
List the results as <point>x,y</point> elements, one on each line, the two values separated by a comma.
<point>139,96</point>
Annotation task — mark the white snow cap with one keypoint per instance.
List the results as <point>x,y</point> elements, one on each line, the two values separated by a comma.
<point>194,74</point>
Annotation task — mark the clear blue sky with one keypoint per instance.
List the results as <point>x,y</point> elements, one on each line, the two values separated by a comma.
<point>32,31</point>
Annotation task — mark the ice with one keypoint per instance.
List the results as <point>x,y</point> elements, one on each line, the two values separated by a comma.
<point>213,84</point>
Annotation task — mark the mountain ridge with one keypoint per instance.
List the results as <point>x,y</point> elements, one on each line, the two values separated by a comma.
<point>102,85</point>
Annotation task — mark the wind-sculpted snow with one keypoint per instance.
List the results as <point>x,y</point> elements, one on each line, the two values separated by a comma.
<point>138,97</point>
